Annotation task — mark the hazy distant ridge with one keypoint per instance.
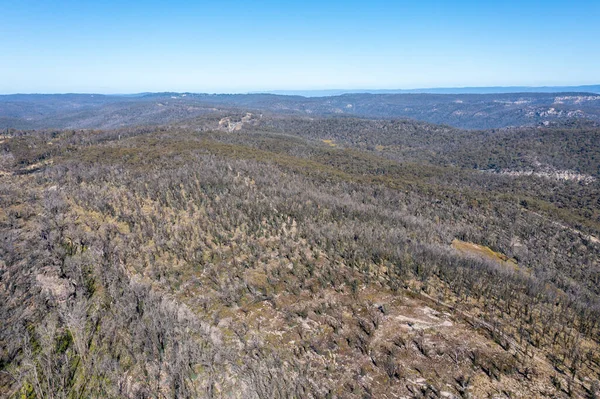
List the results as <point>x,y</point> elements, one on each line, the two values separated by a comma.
<point>464,110</point>
<point>447,90</point>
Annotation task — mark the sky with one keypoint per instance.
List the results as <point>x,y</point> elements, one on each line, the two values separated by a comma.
<point>116,46</point>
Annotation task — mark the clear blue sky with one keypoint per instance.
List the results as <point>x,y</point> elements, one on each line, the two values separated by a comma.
<point>236,46</point>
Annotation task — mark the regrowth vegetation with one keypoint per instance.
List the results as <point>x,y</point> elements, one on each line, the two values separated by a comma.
<point>299,258</point>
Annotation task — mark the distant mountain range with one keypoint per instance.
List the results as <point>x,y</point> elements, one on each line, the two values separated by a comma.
<point>445,90</point>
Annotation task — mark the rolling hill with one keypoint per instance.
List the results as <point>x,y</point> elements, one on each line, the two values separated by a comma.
<point>230,253</point>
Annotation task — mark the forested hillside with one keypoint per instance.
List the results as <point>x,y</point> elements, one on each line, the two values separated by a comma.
<point>263,255</point>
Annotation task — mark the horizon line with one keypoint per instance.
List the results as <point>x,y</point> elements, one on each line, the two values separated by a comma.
<point>324,90</point>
